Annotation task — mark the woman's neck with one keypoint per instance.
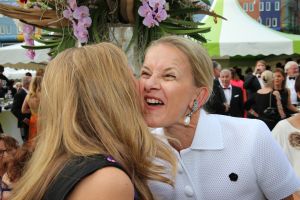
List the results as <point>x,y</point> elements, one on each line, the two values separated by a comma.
<point>277,87</point>
<point>183,135</point>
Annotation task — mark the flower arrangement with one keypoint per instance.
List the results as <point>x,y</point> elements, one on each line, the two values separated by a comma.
<point>67,23</point>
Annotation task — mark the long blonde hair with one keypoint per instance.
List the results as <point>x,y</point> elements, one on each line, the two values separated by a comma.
<point>89,105</point>
<point>35,86</point>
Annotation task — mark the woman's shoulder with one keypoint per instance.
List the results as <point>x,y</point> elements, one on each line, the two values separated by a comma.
<point>77,169</point>
<point>106,183</point>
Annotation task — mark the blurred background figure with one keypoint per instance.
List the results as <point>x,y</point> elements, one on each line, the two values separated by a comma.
<point>40,72</point>
<point>15,167</point>
<point>8,148</point>
<point>287,133</point>
<point>23,119</point>
<point>292,71</point>
<point>253,82</point>
<point>265,104</point>
<point>279,85</point>
<point>31,106</point>
<point>238,80</point>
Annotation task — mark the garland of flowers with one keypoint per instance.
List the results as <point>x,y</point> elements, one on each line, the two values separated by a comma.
<point>66,23</point>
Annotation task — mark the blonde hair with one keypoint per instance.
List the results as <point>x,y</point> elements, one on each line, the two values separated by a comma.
<point>89,105</point>
<point>267,77</point>
<point>35,86</point>
<point>200,61</point>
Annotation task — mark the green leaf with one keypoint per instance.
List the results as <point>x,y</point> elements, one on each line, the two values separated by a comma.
<point>47,41</point>
<point>198,37</point>
<point>183,30</point>
<point>207,2</point>
<point>183,22</point>
<point>183,11</point>
<point>40,47</point>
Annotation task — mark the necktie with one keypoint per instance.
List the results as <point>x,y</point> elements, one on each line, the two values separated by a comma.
<point>292,78</point>
<point>226,88</point>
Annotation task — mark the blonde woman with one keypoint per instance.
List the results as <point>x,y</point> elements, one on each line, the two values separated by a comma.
<point>31,105</point>
<point>266,103</point>
<point>93,142</point>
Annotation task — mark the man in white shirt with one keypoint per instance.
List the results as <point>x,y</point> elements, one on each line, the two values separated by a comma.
<point>292,71</point>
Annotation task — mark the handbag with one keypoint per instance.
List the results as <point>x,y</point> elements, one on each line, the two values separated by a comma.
<point>271,112</point>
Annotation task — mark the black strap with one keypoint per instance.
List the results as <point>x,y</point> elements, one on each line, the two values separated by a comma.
<point>74,172</point>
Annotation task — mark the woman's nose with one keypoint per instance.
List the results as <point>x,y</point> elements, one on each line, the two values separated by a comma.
<point>152,83</point>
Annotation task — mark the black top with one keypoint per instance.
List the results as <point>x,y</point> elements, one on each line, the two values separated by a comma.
<point>73,172</point>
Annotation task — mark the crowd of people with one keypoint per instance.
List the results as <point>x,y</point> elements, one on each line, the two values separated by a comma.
<point>184,129</point>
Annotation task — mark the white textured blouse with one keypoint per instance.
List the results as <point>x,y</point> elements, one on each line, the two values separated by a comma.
<point>282,132</point>
<point>230,158</point>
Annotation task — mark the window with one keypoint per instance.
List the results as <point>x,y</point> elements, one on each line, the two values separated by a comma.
<point>2,31</point>
<point>274,22</point>
<point>251,7</point>
<point>268,6</point>
<point>261,6</point>
<point>268,22</point>
<point>277,5</point>
<point>245,7</point>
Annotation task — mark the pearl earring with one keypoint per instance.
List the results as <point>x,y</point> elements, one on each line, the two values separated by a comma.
<point>187,118</point>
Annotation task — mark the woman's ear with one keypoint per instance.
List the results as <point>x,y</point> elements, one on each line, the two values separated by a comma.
<point>201,96</point>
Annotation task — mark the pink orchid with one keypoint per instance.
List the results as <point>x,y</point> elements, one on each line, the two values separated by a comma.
<point>81,12</point>
<point>81,33</point>
<point>28,28</point>
<point>30,53</point>
<point>161,15</point>
<point>149,21</point>
<point>157,3</point>
<point>85,22</point>
<point>68,14</point>
<point>72,4</point>
<point>144,9</point>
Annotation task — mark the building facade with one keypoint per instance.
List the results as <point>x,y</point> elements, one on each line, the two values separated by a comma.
<point>281,15</point>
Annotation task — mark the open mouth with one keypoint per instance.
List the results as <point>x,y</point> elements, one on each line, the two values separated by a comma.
<point>153,101</point>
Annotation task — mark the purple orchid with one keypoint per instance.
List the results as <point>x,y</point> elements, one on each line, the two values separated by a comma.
<point>81,12</point>
<point>72,4</point>
<point>85,22</point>
<point>68,13</point>
<point>30,53</point>
<point>153,12</point>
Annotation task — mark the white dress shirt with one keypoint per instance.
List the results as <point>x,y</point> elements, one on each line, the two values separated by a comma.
<point>227,92</point>
<point>229,158</point>
<point>293,94</point>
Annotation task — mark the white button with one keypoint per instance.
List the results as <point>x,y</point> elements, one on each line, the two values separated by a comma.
<point>179,169</point>
<point>188,191</point>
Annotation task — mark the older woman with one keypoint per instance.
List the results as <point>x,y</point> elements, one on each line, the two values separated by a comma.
<point>93,142</point>
<point>219,157</point>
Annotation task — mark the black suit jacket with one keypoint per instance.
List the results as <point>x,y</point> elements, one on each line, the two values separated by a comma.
<point>236,103</point>
<point>215,103</point>
<point>17,107</point>
<point>251,84</point>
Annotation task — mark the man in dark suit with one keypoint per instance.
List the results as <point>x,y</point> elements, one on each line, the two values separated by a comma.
<point>253,82</point>
<point>23,119</point>
<point>232,96</point>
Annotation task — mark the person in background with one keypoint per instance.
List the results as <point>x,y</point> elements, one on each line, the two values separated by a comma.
<point>253,82</point>
<point>18,86</point>
<point>287,133</point>
<point>233,100</point>
<point>8,148</point>
<point>23,119</point>
<point>93,141</point>
<point>3,78</point>
<point>3,90</point>
<point>219,157</point>
<point>279,85</point>
<point>31,106</point>
<point>266,98</point>
<point>40,72</point>
<point>15,168</point>
<point>28,74</point>
<point>292,71</point>
<point>237,81</point>
<point>215,104</point>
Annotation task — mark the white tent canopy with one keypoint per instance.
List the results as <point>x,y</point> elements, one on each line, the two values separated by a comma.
<point>240,35</point>
<point>15,56</point>
<point>12,73</point>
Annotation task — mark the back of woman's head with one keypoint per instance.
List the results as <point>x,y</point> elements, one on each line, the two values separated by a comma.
<point>89,106</point>
<point>35,85</point>
<point>200,61</point>
<point>267,77</point>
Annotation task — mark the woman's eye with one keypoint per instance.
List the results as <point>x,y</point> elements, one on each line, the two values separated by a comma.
<point>170,76</point>
<point>145,74</point>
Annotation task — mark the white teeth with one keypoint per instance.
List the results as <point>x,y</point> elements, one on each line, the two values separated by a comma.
<point>153,101</point>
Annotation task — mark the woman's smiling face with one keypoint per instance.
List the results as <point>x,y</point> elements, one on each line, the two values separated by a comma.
<point>166,85</point>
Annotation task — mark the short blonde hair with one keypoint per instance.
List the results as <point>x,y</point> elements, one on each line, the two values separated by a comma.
<point>267,77</point>
<point>289,64</point>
